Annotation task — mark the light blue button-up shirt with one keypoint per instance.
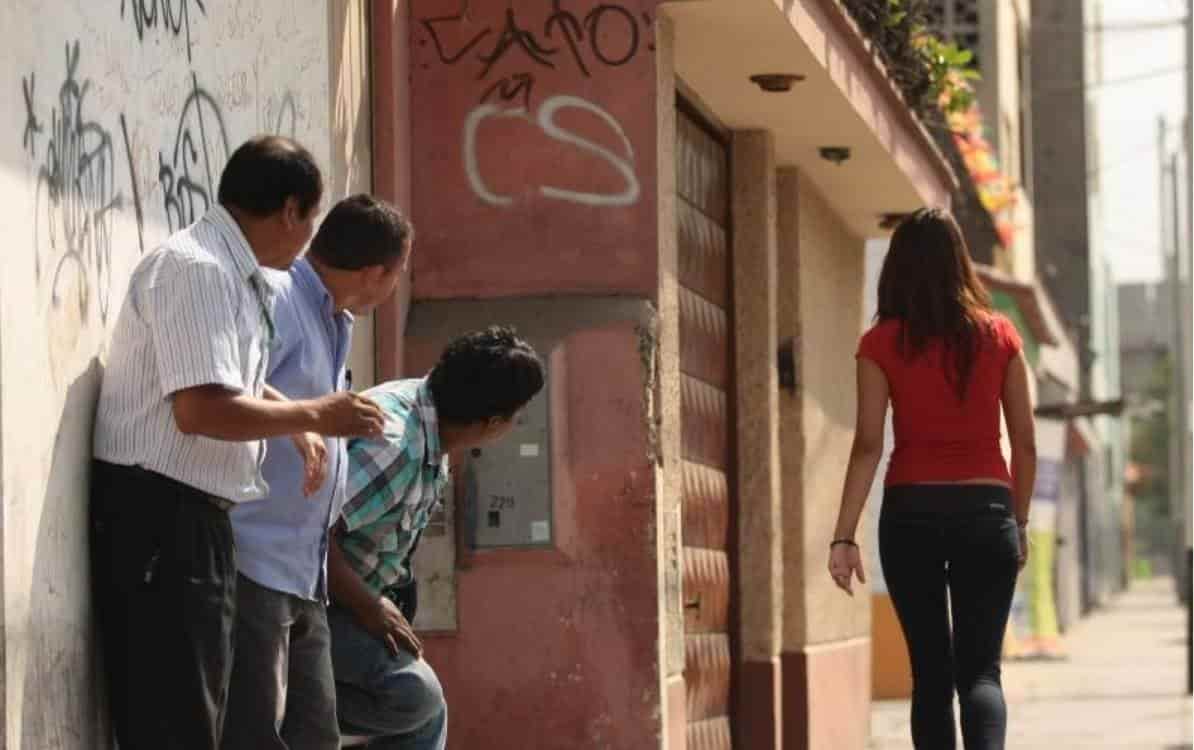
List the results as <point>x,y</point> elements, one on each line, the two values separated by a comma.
<point>282,540</point>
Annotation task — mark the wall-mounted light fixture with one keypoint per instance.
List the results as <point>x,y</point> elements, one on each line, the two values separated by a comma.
<point>835,154</point>
<point>776,82</point>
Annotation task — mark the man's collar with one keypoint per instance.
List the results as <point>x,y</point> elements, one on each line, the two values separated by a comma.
<point>239,249</point>
<point>313,282</point>
<point>430,418</point>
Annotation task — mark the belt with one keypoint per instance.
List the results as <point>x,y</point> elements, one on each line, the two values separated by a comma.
<point>139,474</point>
<point>219,502</point>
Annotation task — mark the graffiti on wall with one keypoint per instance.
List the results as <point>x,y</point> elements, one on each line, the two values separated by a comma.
<point>32,124</point>
<point>581,39</point>
<point>112,146</point>
<point>546,120</point>
<point>190,178</point>
<point>76,195</point>
<point>282,113</point>
<point>87,170</point>
<point>552,38</point>
<point>172,17</point>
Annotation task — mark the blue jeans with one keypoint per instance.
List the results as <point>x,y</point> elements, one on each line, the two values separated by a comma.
<point>949,555</point>
<point>396,699</point>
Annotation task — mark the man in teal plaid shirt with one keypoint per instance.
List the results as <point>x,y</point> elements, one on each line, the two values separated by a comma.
<point>473,395</point>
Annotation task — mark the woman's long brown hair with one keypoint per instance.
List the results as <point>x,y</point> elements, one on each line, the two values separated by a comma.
<point>928,284</point>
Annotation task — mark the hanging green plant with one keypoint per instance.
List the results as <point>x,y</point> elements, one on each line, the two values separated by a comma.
<point>933,75</point>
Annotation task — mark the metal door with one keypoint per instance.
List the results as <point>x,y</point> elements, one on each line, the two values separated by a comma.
<point>706,364</point>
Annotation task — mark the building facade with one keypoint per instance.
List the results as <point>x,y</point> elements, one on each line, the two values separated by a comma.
<point>123,115</point>
<point>689,248</point>
<point>642,563</point>
<point>1065,66</point>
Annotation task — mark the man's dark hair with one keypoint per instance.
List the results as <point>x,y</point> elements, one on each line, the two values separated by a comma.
<point>266,170</point>
<point>361,231</point>
<point>483,375</point>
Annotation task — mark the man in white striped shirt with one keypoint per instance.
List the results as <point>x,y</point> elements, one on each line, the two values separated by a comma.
<point>179,439</point>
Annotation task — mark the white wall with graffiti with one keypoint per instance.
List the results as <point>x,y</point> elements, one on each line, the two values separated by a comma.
<point>118,118</point>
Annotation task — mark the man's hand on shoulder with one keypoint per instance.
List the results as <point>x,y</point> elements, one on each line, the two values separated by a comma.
<point>347,414</point>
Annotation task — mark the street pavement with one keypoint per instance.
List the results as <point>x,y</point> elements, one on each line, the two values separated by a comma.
<point>1122,687</point>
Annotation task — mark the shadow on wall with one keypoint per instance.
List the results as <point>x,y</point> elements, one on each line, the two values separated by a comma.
<point>63,704</point>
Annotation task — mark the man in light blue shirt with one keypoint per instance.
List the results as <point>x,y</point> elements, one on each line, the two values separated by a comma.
<point>283,692</point>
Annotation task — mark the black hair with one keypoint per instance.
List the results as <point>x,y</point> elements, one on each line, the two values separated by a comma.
<point>266,170</point>
<point>361,231</point>
<point>484,375</point>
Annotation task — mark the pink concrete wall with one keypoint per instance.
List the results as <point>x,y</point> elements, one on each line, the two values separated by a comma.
<point>532,157</point>
<point>533,134</point>
<point>557,649</point>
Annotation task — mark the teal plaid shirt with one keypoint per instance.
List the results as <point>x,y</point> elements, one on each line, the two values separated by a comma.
<point>394,484</point>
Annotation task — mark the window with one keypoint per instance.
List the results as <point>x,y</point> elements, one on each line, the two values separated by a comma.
<point>956,21</point>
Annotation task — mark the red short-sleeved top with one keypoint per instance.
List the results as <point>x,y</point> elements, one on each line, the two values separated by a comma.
<point>939,437</point>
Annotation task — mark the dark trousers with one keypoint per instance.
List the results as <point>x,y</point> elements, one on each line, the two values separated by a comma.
<point>164,569</point>
<point>283,693</point>
<point>952,550</point>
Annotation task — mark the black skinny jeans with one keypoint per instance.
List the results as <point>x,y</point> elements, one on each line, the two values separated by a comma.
<point>960,538</point>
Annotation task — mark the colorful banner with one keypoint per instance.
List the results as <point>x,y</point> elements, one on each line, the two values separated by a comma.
<point>1033,632</point>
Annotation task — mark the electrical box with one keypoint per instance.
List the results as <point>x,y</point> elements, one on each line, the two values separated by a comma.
<point>507,484</point>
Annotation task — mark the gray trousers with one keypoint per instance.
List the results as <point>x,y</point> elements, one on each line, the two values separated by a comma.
<point>283,694</point>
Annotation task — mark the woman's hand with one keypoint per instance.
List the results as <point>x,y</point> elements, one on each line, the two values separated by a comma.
<point>845,562</point>
<point>1022,535</point>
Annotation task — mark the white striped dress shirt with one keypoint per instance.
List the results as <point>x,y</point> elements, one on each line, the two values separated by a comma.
<point>197,313</point>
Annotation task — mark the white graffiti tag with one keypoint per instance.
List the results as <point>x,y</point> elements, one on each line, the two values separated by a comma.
<point>546,120</point>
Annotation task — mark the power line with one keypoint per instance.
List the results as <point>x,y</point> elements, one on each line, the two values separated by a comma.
<point>1127,26</point>
<point>1157,73</point>
<point>1123,157</point>
<point>1109,82</point>
<point>1166,23</point>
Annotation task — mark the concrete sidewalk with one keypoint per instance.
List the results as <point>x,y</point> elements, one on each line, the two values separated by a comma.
<point>1123,685</point>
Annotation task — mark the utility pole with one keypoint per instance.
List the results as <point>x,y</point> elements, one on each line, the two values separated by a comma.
<point>1183,325</point>
<point>1178,370</point>
<point>1170,238</point>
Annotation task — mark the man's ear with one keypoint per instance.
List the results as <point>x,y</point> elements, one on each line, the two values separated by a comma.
<point>407,250</point>
<point>372,274</point>
<point>292,213</point>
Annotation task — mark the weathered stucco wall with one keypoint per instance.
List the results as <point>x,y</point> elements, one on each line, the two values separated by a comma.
<point>119,118</point>
<point>826,644</point>
<point>831,282</point>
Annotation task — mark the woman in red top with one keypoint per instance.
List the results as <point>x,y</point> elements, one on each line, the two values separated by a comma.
<point>953,517</point>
